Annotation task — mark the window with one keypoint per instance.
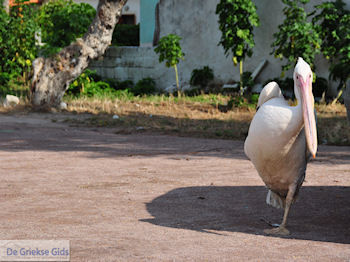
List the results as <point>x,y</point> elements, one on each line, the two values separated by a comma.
<point>127,20</point>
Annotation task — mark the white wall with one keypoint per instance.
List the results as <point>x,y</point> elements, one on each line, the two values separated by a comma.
<point>196,23</point>
<point>132,7</point>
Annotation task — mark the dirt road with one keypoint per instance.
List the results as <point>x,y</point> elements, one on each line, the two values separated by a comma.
<point>149,197</point>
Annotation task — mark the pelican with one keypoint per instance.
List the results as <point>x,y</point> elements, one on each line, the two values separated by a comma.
<point>281,139</point>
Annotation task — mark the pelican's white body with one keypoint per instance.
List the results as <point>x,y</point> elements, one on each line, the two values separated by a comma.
<point>279,139</point>
<point>275,144</point>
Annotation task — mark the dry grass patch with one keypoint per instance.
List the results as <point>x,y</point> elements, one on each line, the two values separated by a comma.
<point>202,116</point>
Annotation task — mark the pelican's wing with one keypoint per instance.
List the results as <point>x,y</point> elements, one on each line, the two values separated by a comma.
<point>271,90</point>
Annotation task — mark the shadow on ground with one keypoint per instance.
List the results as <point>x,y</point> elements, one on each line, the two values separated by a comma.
<point>321,214</point>
<point>103,142</point>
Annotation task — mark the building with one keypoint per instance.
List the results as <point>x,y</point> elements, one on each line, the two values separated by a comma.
<point>196,23</point>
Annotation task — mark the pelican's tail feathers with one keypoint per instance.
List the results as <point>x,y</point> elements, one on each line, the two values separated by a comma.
<point>275,200</point>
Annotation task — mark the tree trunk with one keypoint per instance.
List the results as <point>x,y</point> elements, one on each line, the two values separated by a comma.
<point>53,75</point>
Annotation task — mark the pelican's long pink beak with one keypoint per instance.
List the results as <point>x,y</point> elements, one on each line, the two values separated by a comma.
<point>308,114</point>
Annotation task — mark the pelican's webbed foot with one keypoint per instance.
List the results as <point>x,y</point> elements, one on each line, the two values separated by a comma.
<point>281,231</point>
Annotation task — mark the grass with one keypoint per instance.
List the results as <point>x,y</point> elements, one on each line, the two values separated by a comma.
<point>200,116</point>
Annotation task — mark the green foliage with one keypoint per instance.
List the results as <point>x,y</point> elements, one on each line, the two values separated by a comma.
<point>169,50</point>
<point>201,77</point>
<point>236,101</point>
<point>89,84</point>
<point>237,18</point>
<point>85,85</point>
<point>17,45</point>
<point>119,85</point>
<point>333,24</point>
<point>296,36</point>
<point>254,98</point>
<point>144,86</point>
<point>126,35</point>
<point>62,21</point>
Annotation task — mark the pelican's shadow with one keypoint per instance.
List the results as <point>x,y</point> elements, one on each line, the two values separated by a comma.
<point>322,213</point>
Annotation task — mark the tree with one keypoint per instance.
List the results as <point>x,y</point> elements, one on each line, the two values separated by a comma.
<point>333,25</point>
<point>53,75</point>
<point>62,22</point>
<point>237,19</point>
<point>296,36</point>
<point>169,50</point>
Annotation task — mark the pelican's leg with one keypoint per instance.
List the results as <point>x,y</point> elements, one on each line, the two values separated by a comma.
<point>282,230</point>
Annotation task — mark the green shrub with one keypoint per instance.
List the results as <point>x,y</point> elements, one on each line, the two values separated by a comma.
<point>236,101</point>
<point>123,94</point>
<point>333,24</point>
<point>296,36</point>
<point>127,84</point>
<point>254,98</point>
<point>201,77</point>
<point>119,85</point>
<point>85,85</point>
<point>17,45</point>
<point>169,50</point>
<point>237,19</point>
<point>126,35</point>
<point>144,87</point>
<point>61,22</point>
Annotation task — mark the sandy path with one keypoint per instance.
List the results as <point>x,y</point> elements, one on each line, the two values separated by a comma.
<point>147,197</point>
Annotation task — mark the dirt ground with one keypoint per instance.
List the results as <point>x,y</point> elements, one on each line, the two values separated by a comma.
<point>151,197</point>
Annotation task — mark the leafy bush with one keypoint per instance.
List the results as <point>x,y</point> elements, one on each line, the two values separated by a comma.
<point>237,19</point>
<point>330,25</point>
<point>120,85</point>
<point>62,21</point>
<point>236,101</point>
<point>126,35</point>
<point>169,50</point>
<point>333,24</point>
<point>17,45</point>
<point>85,85</point>
<point>296,36</point>
<point>201,77</point>
<point>254,98</point>
<point>144,86</point>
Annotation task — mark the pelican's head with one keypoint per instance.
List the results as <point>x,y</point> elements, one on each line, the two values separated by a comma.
<point>303,92</point>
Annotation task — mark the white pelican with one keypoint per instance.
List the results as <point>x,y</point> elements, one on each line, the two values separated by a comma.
<point>281,139</point>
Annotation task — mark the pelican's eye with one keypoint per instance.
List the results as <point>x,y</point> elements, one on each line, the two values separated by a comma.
<point>297,77</point>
